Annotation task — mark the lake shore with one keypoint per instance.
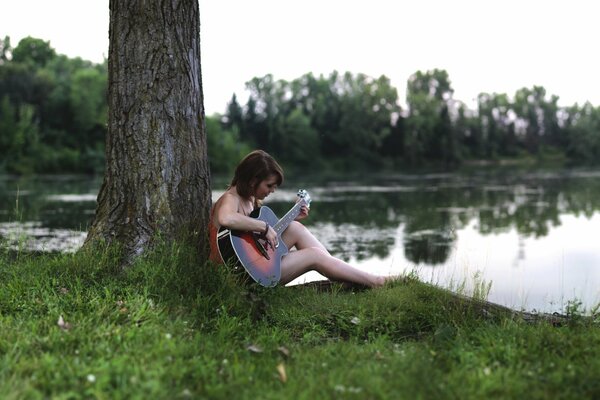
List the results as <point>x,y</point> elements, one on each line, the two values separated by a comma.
<point>530,233</point>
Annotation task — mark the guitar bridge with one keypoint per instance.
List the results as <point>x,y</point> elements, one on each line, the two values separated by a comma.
<point>261,247</point>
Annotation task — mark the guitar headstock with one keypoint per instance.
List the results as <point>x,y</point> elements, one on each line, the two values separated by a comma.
<point>304,196</point>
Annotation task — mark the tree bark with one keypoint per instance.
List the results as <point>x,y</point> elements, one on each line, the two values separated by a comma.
<point>157,179</point>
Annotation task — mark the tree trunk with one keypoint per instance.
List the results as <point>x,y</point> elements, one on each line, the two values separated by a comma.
<point>157,179</point>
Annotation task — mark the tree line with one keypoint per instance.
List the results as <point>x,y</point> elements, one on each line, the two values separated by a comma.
<point>355,120</point>
<point>53,116</point>
<point>53,110</point>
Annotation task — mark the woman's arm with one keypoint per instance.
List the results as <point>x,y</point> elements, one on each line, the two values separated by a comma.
<point>227,215</point>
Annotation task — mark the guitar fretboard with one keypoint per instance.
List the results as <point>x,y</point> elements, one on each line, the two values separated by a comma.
<point>287,219</point>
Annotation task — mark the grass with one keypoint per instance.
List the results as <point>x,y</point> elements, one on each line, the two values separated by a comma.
<point>75,326</point>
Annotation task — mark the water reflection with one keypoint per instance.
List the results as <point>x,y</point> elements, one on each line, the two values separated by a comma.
<point>530,234</point>
<point>428,246</point>
<point>432,210</point>
<point>46,213</point>
<point>32,236</point>
<point>457,230</point>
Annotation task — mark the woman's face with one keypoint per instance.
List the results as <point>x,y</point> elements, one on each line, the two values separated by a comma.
<point>266,187</point>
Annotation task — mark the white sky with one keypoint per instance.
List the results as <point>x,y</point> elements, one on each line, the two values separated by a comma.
<point>485,45</point>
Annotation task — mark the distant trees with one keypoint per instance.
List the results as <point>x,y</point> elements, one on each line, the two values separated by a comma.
<point>53,114</point>
<point>429,132</point>
<point>52,110</point>
<point>347,118</point>
<point>355,120</point>
<point>582,130</point>
<point>227,147</point>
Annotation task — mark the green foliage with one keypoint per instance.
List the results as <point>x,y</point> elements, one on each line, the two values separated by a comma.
<point>297,141</point>
<point>88,98</point>
<point>20,149</point>
<point>225,149</point>
<point>169,326</point>
<point>33,52</point>
<point>429,133</point>
<point>584,135</point>
<point>53,110</point>
<point>340,118</point>
<point>367,107</point>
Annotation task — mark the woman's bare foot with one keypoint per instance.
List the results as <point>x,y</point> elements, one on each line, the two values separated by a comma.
<point>380,281</point>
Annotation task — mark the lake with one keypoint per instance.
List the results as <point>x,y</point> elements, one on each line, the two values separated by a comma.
<point>530,235</point>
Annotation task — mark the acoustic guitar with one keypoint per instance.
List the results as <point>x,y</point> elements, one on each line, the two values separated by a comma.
<point>250,250</point>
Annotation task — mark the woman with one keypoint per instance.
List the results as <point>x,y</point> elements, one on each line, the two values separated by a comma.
<point>257,176</point>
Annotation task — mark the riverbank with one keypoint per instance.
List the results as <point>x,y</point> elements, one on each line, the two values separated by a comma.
<point>75,326</point>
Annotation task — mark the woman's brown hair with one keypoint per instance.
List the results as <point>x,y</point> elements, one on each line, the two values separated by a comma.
<point>252,170</point>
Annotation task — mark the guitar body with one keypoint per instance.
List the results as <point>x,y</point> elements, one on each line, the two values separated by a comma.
<point>248,250</point>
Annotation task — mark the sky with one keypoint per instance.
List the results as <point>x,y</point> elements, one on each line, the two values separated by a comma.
<point>492,46</point>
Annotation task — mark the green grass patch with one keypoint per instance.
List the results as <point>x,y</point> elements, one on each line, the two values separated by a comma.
<point>170,326</point>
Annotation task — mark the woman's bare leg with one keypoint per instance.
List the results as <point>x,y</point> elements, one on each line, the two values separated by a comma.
<point>297,235</point>
<point>298,262</point>
<point>312,255</point>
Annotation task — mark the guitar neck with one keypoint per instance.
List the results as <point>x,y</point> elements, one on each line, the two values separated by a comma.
<point>287,219</point>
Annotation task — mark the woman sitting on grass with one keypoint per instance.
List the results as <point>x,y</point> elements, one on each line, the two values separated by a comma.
<point>257,176</point>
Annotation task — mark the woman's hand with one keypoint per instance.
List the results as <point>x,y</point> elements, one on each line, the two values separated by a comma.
<point>271,238</point>
<point>303,213</point>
